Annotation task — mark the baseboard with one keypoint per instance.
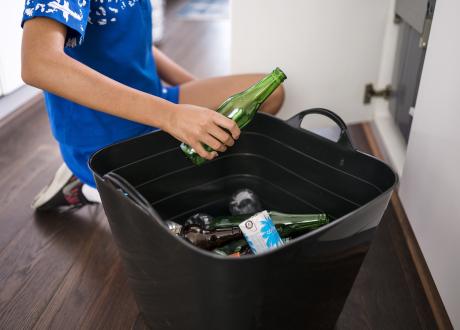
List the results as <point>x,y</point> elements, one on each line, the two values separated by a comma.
<point>423,272</point>
<point>390,141</point>
<point>15,104</point>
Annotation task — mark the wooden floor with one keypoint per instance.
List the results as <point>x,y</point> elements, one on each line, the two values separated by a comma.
<point>62,271</point>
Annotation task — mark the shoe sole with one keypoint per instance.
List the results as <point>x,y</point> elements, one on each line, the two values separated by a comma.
<point>60,178</point>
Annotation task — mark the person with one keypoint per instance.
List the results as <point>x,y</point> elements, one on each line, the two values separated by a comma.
<point>105,82</point>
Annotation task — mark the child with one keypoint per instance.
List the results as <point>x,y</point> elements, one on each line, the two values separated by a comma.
<point>103,83</point>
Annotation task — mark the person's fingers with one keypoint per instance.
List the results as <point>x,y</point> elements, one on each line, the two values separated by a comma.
<point>198,147</point>
<point>221,135</point>
<point>214,143</point>
<point>228,124</point>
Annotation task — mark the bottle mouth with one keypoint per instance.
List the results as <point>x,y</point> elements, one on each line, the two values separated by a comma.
<point>280,74</point>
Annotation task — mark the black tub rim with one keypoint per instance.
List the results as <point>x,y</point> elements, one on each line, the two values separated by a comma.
<point>293,242</point>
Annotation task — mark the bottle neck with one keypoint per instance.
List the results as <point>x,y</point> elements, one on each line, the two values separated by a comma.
<point>262,90</point>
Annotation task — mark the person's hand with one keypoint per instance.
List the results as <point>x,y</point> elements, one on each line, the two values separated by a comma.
<point>196,126</point>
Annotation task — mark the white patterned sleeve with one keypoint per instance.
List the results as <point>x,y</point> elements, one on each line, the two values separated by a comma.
<point>72,13</point>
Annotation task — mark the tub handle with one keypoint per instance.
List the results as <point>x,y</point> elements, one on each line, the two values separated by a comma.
<point>344,139</point>
<point>120,183</point>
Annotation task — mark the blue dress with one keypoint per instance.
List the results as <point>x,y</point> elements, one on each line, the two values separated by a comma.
<point>113,37</point>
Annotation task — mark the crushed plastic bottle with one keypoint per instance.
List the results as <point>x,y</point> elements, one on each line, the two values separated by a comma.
<point>244,201</point>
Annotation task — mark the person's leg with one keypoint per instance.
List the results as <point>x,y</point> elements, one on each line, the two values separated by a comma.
<point>65,191</point>
<point>73,184</point>
<point>211,92</point>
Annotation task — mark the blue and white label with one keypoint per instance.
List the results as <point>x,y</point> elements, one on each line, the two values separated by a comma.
<point>260,233</point>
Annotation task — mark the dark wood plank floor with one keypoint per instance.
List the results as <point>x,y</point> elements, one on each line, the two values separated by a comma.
<point>62,271</point>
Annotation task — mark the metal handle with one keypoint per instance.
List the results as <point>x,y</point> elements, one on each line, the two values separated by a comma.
<point>344,139</point>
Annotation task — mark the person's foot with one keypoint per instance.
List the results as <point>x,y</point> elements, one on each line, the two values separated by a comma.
<point>64,191</point>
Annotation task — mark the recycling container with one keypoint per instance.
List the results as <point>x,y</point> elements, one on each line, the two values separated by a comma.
<point>302,285</point>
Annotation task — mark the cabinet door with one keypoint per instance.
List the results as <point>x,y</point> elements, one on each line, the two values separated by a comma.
<point>329,49</point>
<point>10,46</point>
<point>415,17</point>
<point>406,77</point>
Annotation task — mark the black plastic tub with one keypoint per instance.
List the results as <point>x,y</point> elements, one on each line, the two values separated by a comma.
<point>299,286</point>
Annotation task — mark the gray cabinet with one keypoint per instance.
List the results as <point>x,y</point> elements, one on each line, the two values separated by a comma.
<point>415,17</point>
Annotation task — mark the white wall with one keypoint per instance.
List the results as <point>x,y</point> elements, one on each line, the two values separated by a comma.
<point>329,49</point>
<point>430,185</point>
<point>10,45</point>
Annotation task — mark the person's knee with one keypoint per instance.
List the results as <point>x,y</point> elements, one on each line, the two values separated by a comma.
<point>275,101</point>
<point>279,96</point>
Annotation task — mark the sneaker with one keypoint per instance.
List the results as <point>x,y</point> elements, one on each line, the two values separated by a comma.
<point>64,191</point>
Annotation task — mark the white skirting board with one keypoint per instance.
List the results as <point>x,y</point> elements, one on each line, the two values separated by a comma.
<point>16,99</point>
<point>389,137</point>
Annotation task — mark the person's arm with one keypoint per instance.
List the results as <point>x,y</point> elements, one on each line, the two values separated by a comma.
<point>46,66</point>
<point>169,71</point>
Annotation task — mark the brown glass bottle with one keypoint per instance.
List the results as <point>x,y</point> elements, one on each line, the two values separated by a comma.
<point>210,239</point>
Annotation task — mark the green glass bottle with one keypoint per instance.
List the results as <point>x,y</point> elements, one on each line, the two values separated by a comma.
<point>242,107</point>
<point>292,225</point>
<point>285,223</point>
